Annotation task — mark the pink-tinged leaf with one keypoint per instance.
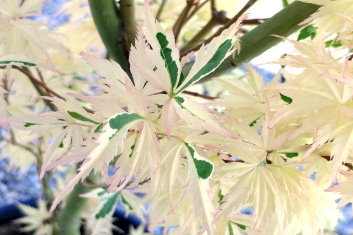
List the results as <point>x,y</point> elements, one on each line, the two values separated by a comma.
<point>110,143</point>
<point>169,116</point>
<point>143,74</point>
<point>105,68</point>
<point>164,53</point>
<point>135,162</point>
<point>201,190</point>
<point>207,60</point>
<point>199,117</point>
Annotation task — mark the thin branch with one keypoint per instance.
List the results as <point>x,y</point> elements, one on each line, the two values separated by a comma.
<point>218,18</point>
<point>41,87</point>
<point>253,21</point>
<point>127,9</point>
<point>199,95</point>
<point>197,7</point>
<point>28,73</point>
<point>249,4</point>
<point>182,19</point>
<point>213,6</point>
<point>160,10</point>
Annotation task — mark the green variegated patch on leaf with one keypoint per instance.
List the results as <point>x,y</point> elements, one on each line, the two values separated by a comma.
<point>286,99</point>
<point>29,64</point>
<point>212,64</point>
<point>290,154</point>
<point>166,54</point>
<point>28,124</point>
<point>121,120</point>
<point>82,118</point>
<point>98,128</point>
<point>308,31</point>
<point>108,206</point>
<point>204,167</point>
<point>179,100</point>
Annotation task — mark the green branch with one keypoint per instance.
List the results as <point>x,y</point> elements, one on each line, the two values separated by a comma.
<point>127,9</point>
<point>107,19</point>
<point>69,218</point>
<point>261,38</point>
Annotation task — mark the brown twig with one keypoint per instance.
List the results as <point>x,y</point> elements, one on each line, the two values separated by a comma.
<point>197,7</point>
<point>254,21</point>
<point>179,23</point>
<point>160,10</point>
<point>249,4</point>
<point>28,73</point>
<point>199,95</point>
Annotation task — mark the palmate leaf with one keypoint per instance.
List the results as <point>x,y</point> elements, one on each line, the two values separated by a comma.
<point>207,60</point>
<point>81,117</point>
<point>164,53</point>
<point>199,117</point>
<point>108,206</point>
<point>211,64</point>
<point>203,166</point>
<point>200,170</point>
<point>109,144</point>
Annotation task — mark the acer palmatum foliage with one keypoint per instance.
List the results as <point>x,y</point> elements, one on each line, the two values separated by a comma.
<point>276,148</point>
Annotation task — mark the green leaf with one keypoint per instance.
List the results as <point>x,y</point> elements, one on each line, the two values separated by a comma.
<point>166,54</point>
<point>290,154</point>
<point>126,202</point>
<point>230,228</point>
<point>179,100</point>
<point>28,124</point>
<point>285,3</point>
<point>101,193</point>
<point>253,123</point>
<point>181,79</point>
<point>98,128</point>
<point>81,117</point>
<point>307,31</point>
<point>212,64</point>
<point>204,168</point>
<point>133,147</point>
<point>220,197</point>
<point>108,206</point>
<point>121,120</point>
<point>61,145</point>
<point>286,99</point>
<point>17,61</point>
<point>241,226</point>
<point>333,43</point>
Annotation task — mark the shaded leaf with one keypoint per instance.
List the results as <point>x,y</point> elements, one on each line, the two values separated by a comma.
<point>108,206</point>
<point>81,117</point>
<point>308,31</point>
<point>166,54</point>
<point>286,99</point>
<point>204,168</point>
